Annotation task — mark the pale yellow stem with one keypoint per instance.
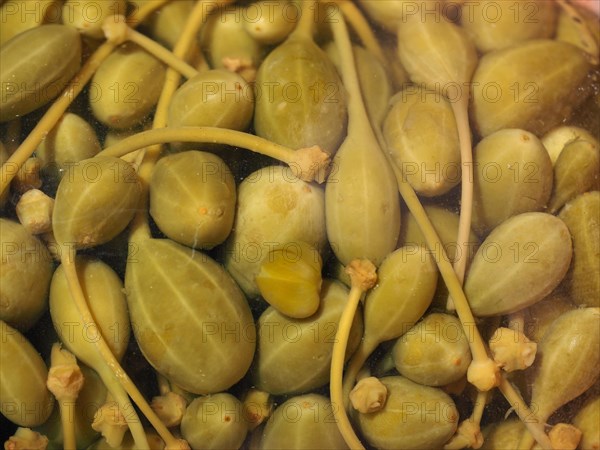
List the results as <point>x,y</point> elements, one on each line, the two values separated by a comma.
<point>67,415</point>
<point>476,343</point>
<point>338,401</point>
<point>454,285</point>
<point>68,262</point>
<point>461,115</point>
<point>308,163</point>
<point>199,135</point>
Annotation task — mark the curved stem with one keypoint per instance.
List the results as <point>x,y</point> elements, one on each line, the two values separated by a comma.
<point>363,277</point>
<point>487,368</point>
<point>450,277</point>
<point>73,89</point>
<point>338,401</point>
<point>107,359</point>
<point>307,163</point>
<point>198,134</point>
<point>460,109</point>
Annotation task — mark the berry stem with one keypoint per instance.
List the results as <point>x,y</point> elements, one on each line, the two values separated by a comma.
<point>308,164</point>
<point>363,277</point>
<point>460,109</point>
<point>107,361</point>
